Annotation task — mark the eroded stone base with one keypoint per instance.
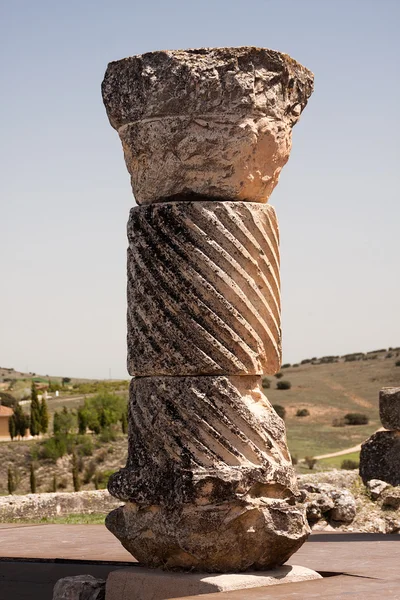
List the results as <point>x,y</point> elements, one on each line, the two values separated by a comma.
<point>146,584</point>
<point>234,536</point>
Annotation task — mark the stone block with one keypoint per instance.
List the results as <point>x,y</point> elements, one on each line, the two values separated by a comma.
<point>380,458</point>
<point>210,122</point>
<point>389,407</point>
<point>147,584</point>
<point>79,587</point>
<point>203,289</point>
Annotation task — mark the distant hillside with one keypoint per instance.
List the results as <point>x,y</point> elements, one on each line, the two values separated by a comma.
<point>329,388</point>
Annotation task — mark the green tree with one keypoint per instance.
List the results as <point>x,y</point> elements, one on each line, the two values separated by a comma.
<point>21,421</point>
<point>63,422</point>
<point>283,385</point>
<point>32,478</point>
<point>266,383</point>
<point>12,427</point>
<point>44,416</point>
<point>280,410</point>
<point>75,473</point>
<point>35,412</point>
<point>54,483</point>
<point>124,422</point>
<point>10,481</point>
<point>82,421</point>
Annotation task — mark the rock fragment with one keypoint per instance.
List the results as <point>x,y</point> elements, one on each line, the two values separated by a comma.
<point>389,407</point>
<point>79,587</point>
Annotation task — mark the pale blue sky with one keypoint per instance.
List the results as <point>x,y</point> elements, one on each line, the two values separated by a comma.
<point>65,192</point>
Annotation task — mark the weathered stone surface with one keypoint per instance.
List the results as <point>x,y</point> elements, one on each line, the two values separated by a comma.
<point>33,506</point>
<point>202,439</point>
<point>209,475</point>
<point>391,498</point>
<point>209,483</point>
<point>147,584</point>
<point>380,457</point>
<point>323,500</point>
<point>376,487</point>
<point>389,407</point>
<point>203,289</point>
<point>210,122</point>
<point>344,509</point>
<point>80,587</point>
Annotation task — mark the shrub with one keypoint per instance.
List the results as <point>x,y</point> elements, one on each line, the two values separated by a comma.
<point>11,485</point>
<point>279,375</point>
<point>338,422</point>
<point>54,448</point>
<point>397,363</point>
<point>295,365</point>
<point>310,462</point>
<point>7,399</point>
<point>84,445</point>
<point>305,361</point>
<point>286,366</point>
<point>356,419</point>
<point>280,410</point>
<point>266,383</point>
<point>75,474</point>
<point>295,460</point>
<point>303,412</point>
<point>107,435</point>
<point>349,465</point>
<point>89,472</point>
<point>283,385</point>
<point>32,479</point>
<point>101,479</point>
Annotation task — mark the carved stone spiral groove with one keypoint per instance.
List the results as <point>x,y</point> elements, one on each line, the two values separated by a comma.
<point>210,270</point>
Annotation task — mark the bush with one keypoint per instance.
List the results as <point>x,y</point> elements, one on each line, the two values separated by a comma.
<point>397,363</point>
<point>84,445</point>
<point>310,462</point>
<point>54,448</point>
<point>295,460</point>
<point>286,366</point>
<point>303,412</point>
<point>107,435</point>
<point>283,385</point>
<point>338,422</point>
<point>101,479</point>
<point>280,410</point>
<point>279,375</point>
<point>89,472</point>
<point>349,465</point>
<point>266,383</point>
<point>356,419</point>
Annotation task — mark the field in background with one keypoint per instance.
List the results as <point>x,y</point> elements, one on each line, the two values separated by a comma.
<point>329,391</point>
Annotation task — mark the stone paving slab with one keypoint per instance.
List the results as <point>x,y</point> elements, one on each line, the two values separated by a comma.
<point>371,561</point>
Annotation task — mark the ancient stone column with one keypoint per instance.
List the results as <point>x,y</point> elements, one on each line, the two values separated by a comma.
<point>209,483</point>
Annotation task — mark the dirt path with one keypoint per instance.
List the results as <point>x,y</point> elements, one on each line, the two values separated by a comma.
<point>341,452</point>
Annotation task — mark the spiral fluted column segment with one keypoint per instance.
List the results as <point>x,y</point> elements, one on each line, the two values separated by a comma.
<point>203,289</point>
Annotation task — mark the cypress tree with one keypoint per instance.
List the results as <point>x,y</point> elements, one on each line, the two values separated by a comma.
<point>35,412</point>
<point>33,479</point>
<point>21,421</point>
<point>10,481</point>
<point>44,416</point>
<point>54,483</point>
<point>75,473</point>
<point>12,427</point>
<point>124,422</point>
<point>56,423</point>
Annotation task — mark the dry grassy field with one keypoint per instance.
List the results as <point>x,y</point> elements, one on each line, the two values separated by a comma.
<point>330,391</point>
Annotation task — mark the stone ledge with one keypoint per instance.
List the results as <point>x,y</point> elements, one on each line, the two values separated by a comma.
<point>149,584</point>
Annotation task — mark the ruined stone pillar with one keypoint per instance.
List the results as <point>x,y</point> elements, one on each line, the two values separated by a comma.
<point>209,483</point>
